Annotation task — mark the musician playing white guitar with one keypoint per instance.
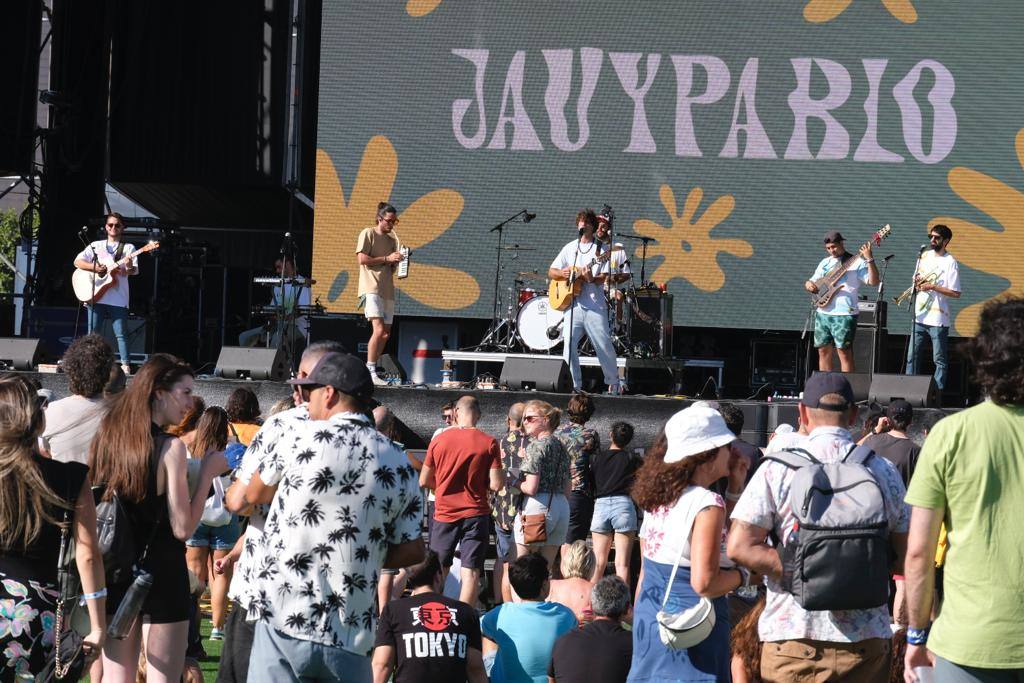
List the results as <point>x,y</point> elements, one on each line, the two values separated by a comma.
<point>836,323</point>
<point>99,257</point>
<point>589,311</point>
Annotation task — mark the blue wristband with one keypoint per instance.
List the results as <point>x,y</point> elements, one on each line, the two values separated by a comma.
<point>917,636</point>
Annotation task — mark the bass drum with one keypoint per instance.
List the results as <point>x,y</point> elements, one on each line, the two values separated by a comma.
<point>534,319</point>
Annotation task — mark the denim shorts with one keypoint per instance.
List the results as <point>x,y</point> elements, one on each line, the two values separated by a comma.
<point>614,513</point>
<point>216,537</point>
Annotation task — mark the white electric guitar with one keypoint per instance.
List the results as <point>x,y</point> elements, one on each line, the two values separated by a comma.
<point>90,286</point>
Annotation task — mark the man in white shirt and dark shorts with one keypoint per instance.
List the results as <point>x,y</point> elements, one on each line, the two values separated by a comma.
<point>939,277</point>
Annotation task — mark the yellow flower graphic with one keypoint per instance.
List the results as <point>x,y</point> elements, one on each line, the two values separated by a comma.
<point>338,224</point>
<point>820,11</point>
<point>987,249</point>
<point>419,8</point>
<point>689,250</point>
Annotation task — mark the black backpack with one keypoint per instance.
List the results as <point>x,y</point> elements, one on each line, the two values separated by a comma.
<point>837,555</point>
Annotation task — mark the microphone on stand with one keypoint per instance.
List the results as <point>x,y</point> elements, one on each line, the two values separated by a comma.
<point>529,216</point>
<point>924,248</point>
<point>888,257</point>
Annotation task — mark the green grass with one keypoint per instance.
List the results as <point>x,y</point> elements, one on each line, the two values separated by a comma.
<point>209,663</point>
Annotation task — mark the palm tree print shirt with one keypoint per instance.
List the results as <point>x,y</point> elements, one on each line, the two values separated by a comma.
<point>344,494</point>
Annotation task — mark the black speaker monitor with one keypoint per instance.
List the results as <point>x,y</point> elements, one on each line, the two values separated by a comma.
<point>542,374</point>
<point>918,390</point>
<point>18,353</point>
<point>243,362</point>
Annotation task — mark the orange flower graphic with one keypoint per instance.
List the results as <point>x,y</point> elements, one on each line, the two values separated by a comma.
<point>420,8</point>
<point>821,11</point>
<point>338,224</point>
<point>689,249</point>
<point>987,249</point>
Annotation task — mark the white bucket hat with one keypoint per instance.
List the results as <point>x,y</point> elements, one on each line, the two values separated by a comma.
<point>694,430</point>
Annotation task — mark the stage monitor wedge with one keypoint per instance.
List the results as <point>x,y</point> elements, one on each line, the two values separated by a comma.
<point>918,390</point>
<point>541,374</point>
<point>18,353</point>
<point>259,363</point>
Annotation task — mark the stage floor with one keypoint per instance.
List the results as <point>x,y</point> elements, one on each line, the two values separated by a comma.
<point>419,408</point>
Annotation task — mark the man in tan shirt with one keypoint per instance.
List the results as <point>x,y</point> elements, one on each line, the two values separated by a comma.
<point>377,250</point>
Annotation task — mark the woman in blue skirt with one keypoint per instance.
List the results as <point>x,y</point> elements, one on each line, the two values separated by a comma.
<point>684,523</point>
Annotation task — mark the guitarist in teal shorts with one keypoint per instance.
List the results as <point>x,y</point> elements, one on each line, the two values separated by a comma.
<point>837,279</point>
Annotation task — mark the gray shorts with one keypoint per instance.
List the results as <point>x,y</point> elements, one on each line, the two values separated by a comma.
<point>556,522</point>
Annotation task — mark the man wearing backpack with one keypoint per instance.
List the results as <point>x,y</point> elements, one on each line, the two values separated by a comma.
<point>826,615</point>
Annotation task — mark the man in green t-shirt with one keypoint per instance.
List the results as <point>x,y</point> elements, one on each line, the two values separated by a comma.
<point>970,475</point>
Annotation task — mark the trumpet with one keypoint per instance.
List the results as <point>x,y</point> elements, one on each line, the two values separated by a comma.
<point>928,279</point>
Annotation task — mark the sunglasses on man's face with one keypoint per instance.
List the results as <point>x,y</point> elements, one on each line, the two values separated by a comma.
<point>306,390</point>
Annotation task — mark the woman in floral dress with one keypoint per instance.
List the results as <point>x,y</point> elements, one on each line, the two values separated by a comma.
<point>35,492</point>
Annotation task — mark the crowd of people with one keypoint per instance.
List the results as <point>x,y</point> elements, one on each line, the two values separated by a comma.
<point>823,556</point>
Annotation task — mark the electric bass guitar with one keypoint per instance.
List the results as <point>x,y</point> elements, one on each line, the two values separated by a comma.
<point>90,286</point>
<point>831,283</point>
<point>562,292</point>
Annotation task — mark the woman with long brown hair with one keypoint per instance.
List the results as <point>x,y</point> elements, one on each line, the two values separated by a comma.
<point>133,457</point>
<point>684,525</point>
<point>213,538</point>
<point>35,494</point>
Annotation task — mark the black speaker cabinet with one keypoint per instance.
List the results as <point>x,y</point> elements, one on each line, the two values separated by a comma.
<point>542,374</point>
<point>652,325</point>
<point>867,349</point>
<point>389,365</point>
<point>352,331</point>
<point>243,362</point>
<point>775,362</point>
<point>918,390</point>
<point>17,353</point>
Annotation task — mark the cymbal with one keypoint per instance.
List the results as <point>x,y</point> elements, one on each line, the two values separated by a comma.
<point>516,247</point>
<point>531,275</point>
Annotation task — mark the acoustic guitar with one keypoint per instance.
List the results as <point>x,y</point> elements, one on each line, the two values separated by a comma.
<point>90,286</point>
<point>562,292</point>
<point>831,283</point>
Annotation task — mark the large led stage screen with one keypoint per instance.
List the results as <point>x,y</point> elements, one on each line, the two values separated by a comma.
<point>734,134</point>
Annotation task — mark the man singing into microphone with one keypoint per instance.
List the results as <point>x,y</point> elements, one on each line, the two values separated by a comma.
<point>588,311</point>
<point>99,257</point>
<point>939,277</point>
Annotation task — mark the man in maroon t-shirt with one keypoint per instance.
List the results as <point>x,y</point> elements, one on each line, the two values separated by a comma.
<point>461,463</point>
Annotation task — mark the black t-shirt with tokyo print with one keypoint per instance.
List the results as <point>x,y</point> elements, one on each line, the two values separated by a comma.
<point>431,634</point>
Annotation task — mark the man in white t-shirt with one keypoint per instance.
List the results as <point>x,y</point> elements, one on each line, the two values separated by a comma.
<point>939,275</point>
<point>99,257</point>
<point>589,310</point>
<point>836,323</point>
<point>72,421</point>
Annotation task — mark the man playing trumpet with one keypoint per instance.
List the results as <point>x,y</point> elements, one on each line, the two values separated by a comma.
<point>938,278</point>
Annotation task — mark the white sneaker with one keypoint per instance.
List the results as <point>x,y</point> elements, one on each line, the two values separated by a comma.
<point>127,369</point>
<point>378,380</point>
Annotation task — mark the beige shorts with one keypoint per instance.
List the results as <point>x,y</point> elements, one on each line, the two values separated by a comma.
<point>376,306</point>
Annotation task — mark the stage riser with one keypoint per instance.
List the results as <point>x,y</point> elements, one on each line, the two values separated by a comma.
<point>420,409</point>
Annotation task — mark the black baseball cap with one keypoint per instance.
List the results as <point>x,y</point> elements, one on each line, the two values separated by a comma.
<point>900,411</point>
<point>343,371</point>
<point>833,236</point>
<point>824,383</point>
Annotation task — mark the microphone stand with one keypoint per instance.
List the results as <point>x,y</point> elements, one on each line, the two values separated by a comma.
<point>911,359</point>
<point>491,337</point>
<point>643,255</point>
<point>879,305</point>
